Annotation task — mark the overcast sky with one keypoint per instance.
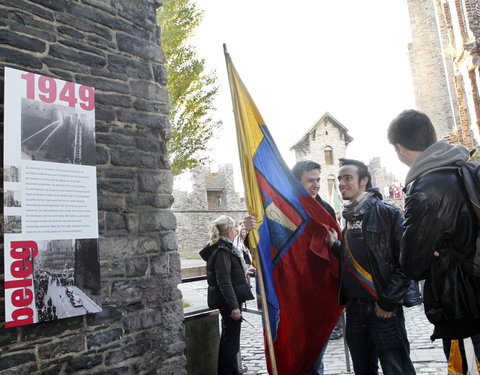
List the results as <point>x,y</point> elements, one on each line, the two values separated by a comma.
<point>301,59</point>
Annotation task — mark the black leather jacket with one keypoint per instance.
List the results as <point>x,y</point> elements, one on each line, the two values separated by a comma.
<point>382,228</point>
<point>439,218</point>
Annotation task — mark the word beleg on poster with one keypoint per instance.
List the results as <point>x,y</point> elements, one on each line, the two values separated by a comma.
<point>52,269</point>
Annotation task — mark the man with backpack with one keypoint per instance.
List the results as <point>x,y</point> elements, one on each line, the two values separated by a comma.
<point>439,244</point>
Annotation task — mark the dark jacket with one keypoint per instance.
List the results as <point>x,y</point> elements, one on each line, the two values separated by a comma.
<point>439,218</point>
<point>327,207</point>
<point>382,229</point>
<point>224,273</point>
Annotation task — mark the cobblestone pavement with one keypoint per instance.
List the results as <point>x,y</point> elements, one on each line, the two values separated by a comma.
<point>427,356</point>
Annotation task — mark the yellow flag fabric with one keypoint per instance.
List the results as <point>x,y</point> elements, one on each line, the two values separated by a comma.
<point>249,138</point>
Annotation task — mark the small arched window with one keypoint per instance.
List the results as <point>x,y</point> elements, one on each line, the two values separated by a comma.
<point>331,184</point>
<point>328,151</point>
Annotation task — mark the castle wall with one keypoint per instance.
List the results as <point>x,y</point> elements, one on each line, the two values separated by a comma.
<point>114,46</point>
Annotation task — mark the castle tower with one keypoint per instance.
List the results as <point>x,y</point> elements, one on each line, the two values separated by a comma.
<point>325,142</point>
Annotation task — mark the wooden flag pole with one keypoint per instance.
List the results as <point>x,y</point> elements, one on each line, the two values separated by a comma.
<point>261,285</point>
<point>263,299</point>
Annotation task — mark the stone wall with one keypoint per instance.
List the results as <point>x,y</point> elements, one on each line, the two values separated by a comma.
<point>112,45</point>
<point>192,208</point>
<point>431,72</point>
<point>192,228</point>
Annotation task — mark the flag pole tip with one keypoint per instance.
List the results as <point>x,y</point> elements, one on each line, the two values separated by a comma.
<point>225,48</point>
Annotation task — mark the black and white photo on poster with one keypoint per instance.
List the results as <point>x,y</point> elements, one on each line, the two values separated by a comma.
<point>12,198</point>
<point>13,224</point>
<point>66,279</point>
<point>57,133</point>
<point>11,173</point>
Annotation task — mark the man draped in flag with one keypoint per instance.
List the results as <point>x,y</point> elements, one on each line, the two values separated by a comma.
<point>297,274</point>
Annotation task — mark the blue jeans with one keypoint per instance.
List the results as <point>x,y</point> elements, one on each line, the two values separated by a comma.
<point>317,368</point>
<point>371,338</point>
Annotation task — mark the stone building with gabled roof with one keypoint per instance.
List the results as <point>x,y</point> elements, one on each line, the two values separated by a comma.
<point>325,142</point>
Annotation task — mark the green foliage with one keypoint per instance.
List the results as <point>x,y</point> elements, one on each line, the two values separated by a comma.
<point>191,90</point>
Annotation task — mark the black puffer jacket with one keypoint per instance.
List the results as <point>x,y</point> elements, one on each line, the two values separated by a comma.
<point>439,218</point>
<point>382,228</point>
<point>224,271</point>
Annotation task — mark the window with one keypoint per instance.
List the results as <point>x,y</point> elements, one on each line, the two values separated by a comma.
<point>328,155</point>
<point>331,184</point>
<point>314,134</point>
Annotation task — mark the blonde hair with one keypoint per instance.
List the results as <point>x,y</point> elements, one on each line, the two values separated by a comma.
<point>218,227</point>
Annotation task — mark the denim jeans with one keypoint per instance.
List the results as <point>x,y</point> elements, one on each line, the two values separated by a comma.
<point>317,368</point>
<point>371,338</point>
<point>229,344</point>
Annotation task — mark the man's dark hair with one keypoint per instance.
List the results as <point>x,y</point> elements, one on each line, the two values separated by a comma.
<point>304,166</point>
<point>362,170</point>
<point>413,130</point>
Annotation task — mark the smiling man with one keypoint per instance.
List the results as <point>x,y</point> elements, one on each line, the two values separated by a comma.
<point>373,287</point>
<point>308,173</point>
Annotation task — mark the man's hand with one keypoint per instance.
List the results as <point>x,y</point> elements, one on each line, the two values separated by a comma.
<point>382,313</point>
<point>250,222</point>
<point>235,314</point>
<point>331,237</point>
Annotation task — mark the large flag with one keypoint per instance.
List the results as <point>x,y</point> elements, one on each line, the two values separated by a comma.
<point>300,275</point>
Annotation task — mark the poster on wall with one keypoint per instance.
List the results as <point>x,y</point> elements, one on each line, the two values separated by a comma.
<point>50,224</point>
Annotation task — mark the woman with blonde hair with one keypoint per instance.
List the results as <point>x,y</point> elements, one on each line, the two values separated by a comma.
<point>227,288</point>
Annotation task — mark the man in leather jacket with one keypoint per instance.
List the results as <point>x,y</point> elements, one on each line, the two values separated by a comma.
<point>373,287</point>
<point>438,244</point>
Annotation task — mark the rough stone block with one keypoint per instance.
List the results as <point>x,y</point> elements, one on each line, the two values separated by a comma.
<point>74,33</point>
<point>146,245</point>
<point>169,241</point>
<point>101,155</point>
<point>160,74</point>
<point>103,337</point>
<point>29,7</point>
<point>17,359</point>
<point>157,182</point>
<point>20,59</point>
<point>115,185</point>
<point>103,83</point>
<point>104,114</point>
<point>140,48</point>
<point>133,159</point>
<point>149,90</point>
<point>71,344</point>
<point>152,221</point>
<point>115,221</point>
<point>151,106</point>
<point>159,265</point>
<point>148,145</point>
<point>131,68</point>
<point>112,139</point>
<point>136,267</point>
<point>58,5</point>
<point>81,23</point>
<point>83,363</point>
<point>114,371</point>
<point>135,349</point>
<point>108,315</point>
<point>21,41</point>
<point>71,54</point>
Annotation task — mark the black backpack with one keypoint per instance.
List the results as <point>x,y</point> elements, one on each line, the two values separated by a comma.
<point>470,173</point>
